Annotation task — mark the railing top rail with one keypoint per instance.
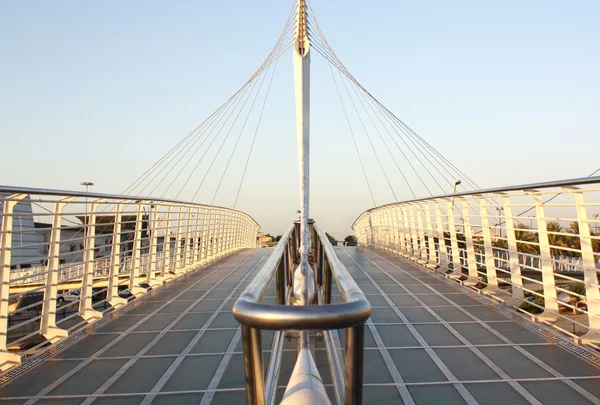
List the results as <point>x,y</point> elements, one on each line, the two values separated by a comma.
<point>72,193</point>
<point>249,311</point>
<point>346,284</point>
<point>522,187</point>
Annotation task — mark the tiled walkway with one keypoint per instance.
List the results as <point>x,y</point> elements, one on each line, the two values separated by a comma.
<point>427,343</point>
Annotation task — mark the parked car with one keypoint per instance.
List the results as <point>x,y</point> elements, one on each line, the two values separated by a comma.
<point>127,294</point>
<point>69,296</point>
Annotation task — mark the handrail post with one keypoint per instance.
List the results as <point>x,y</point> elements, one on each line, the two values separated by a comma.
<point>513,255</point>
<point>470,248</point>
<point>590,274</point>
<point>355,342</point>
<point>136,255</point>
<point>418,210</point>
<point>431,251</point>
<point>112,291</point>
<point>7,359</point>
<point>86,310</point>
<point>153,229</point>
<point>456,265</point>
<point>442,249</point>
<point>490,262</point>
<point>177,266</point>
<point>327,276</point>
<point>280,281</point>
<point>48,326</point>
<point>166,268</point>
<point>253,368</point>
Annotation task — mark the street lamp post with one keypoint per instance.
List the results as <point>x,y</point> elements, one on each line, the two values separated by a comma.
<point>86,184</point>
<point>500,209</point>
<point>596,224</point>
<point>456,183</point>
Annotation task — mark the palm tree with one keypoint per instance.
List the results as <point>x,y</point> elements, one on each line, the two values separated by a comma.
<point>556,241</point>
<point>525,234</point>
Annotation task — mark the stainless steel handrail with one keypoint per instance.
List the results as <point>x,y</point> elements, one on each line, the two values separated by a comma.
<point>256,316</point>
<point>132,198</point>
<point>582,181</point>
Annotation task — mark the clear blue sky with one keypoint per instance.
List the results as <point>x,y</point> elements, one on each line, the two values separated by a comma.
<point>509,91</point>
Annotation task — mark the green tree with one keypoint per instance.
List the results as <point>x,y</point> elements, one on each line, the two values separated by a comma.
<point>350,240</point>
<point>332,240</point>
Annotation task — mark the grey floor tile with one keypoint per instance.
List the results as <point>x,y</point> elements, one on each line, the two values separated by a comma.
<point>192,321</point>
<point>462,299</point>
<point>377,301</point>
<point>121,323</point>
<point>433,300</point>
<point>484,313</point>
<point>37,379</point>
<point>207,305</point>
<point>229,397</point>
<point>404,300</point>
<point>142,376</point>
<point>567,364</point>
<point>381,395</point>
<point>555,393</point>
<point>128,400</point>
<point>178,399</point>
<point>157,322</point>
<point>88,346</point>
<point>452,314</point>
<point>517,333</point>
<point>438,335</point>
<point>214,341</point>
<point>88,379</point>
<point>436,394</point>
<point>384,315</point>
<point>495,394</point>
<point>234,373</point>
<point>375,370</point>
<point>129,345</point>
<point>194,373</point>
<point>514,363</point>
<point>397,336</point>
<point>591,385</point>
<point>176,307</point>
<point>406,361</point>
<point>418,288</point>
<point>477,334</point>
<point>219,293</point>
<point>418,315</point>
<point>465,365</point>
<point>172,343</point>
<point>224,320</point>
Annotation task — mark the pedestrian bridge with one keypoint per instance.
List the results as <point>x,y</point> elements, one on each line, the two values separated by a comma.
<point>473,296</point>
<point>428,340</point>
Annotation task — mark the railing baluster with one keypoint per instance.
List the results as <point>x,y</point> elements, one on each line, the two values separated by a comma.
<point>550,298</point>
<point>48,326</point>
<point>490,262</point>
<point>112,292</point>
<point>7,359</point>
<point>590,273</point>
<point>456,265</point>
<point>513,255</point>
<point>470,248</point>
<point>86,310</point>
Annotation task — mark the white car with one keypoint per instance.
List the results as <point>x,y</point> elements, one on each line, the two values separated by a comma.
<point>70,296</point>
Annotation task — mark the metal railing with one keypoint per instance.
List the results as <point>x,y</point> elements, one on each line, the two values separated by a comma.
<point>324,315</point>
<point>535,247</point>
<point>66,257</point>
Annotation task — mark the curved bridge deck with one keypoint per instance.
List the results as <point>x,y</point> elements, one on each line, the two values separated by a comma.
<point>427,342</point>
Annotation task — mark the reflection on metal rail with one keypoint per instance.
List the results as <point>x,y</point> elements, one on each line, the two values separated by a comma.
<point>535,247</point>
<point>323,316</point>
<point>68,257</point>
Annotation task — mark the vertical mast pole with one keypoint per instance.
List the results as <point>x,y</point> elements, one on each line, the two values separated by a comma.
<point>302,90</point>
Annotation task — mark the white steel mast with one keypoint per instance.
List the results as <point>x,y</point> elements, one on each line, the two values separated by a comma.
<point>302,90</point>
